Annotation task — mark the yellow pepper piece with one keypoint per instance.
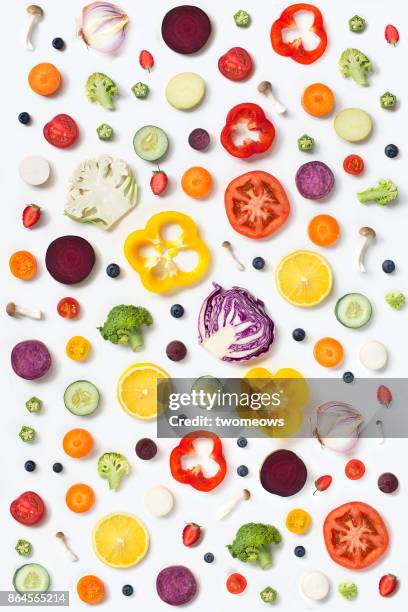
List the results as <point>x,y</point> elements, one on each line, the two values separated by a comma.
<point>78,348</point>
<point>159,272</point>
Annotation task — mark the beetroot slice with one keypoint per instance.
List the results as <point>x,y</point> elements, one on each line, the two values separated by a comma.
<point>176,585</point>
<point>314,180</point>
<point>69,259</point>
<point>199,139</point>
<point>30,359</point>
<point>186,29</point>
<point>283,473</point>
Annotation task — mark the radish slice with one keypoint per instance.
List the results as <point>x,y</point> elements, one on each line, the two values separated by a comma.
<point>34,170</point>
<point>159,500</point>
<point>315,585</point>
<point>373,355</point>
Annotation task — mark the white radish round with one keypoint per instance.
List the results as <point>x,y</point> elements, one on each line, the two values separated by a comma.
<point>315,585</point>
<point>373,355</point>
<point>159,500</point>
<point>34,170</point>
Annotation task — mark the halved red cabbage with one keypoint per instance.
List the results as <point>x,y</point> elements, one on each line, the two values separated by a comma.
<point>233,325</point>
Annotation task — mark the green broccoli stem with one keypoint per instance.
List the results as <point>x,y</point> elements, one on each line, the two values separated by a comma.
<point>358,75</point>
<point>370,195</point>
<point>136,339</point>
<point>104,97</point>
<point>264,557</point>
<point>114,479</point>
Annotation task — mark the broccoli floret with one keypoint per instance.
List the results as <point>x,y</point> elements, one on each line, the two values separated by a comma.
<point>141,90</point>
<point>100,88</point>
<point>355,64</point>
<point>33,404</point>
<point>268,595</point>
<point>104,131</point>
<point>388,100</point>
<point>123,325</point>
<point>395,299</point>
<point>305,143</point>
<point>242,19</point>
<point>27,434</point>
<point>252,543</point>
<point>113,466</point>
<point>348,589</point>
<point>386,191</point>
<point>24,548</point>
<point>357,24</point>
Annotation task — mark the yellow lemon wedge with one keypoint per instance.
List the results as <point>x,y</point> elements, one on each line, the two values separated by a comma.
<point>137,390</point>
<point>120,540</point>
<point>304,278</point>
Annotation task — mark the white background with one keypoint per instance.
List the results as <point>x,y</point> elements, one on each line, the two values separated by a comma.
<point>111,427</point>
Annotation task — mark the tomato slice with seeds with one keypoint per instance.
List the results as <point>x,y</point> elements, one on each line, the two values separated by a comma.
<point>236,64</point>
<point>68,308</point>
<point>236,584</point>
<point>61,132</point>
<point>28,509</point>
<point>355,535</point>
<point>353,164</point>
<point>355,469</point>
<point>256,204</point>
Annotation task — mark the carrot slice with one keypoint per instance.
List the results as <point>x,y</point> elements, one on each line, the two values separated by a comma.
<point>323,230</point>
<point>90,589</point>
<point>77,443</point>
<point>23,265</point>
<point>196,182</point>
<point>44,79</point>
<point>328,352</point>
<point>80,498</point>
<point>318,100</point>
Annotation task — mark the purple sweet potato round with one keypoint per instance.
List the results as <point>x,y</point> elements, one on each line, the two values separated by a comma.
<point>176,585</point>
<point>314,180</point>
<point>186,29</point>
<point>69,259</point>
<point>30,359</point>
<point>199,139</point>
<point>283,473</point>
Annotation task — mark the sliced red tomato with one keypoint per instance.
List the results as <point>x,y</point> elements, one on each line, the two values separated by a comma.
<point>236,64</point>
<point>355,469</point>
<point>28,508</point>
<point>68,308</point>
<point>236,584</point>
<point>256,204</point>
<point>61,131</point>
<point>254,119</point>
<point>355,535</point>
<point>353,164</point>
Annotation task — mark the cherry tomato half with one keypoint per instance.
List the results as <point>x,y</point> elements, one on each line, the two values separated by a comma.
<point>236,64</point>
<point>355,469</point>
<point>68,308</point>
<point>61,132</point>
<point>28,509</point>
<point>353,164</point>
<point>236,584</point>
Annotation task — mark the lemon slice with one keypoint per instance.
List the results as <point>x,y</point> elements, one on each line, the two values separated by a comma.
<point>304,278</point>
<point>137,390</point>
<point>120,540</point>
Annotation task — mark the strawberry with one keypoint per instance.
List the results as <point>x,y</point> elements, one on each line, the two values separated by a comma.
<point>387,585</point>
<point>384,395</point>
<point>323,483</point>
<point>31,215</point>
<point>146,60</point>
<point>191,534</point>
<point>391,35</point>
<point>158,182</point>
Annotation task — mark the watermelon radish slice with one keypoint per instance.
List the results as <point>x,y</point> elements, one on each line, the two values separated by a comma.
<point>69,259</point>
<point>186,29</point>
<point>30,359</point>
<point>283,473</point>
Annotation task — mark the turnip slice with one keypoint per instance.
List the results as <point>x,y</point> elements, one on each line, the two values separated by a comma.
<point>373,355</point>
<point>315,585</point>
<point>353,124</point>
<point>69,259</point>
<point>283,473</point>
<point>186,29</point>
<point>159,500</point>
<point>314,180</point>
<point>34,170</point>
<point>30,359</point>
<point>176,585</point>
<point>185,90</point>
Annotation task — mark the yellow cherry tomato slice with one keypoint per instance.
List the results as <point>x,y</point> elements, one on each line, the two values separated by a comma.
<point>298,521</point>
<point>78,348</point>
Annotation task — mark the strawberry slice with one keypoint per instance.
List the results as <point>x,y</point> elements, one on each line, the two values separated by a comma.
<point>31,215</point>
<point>158,182</point>
<point>387,585</point>
<point>191,534</point>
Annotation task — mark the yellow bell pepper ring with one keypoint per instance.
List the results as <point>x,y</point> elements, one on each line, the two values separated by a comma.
<point>159,271</point>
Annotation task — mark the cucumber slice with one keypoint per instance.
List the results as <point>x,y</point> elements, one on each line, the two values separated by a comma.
<point>353,310</point>
<point>185,90</point>
<point>353,124</point>
<point>150,143</point>
<point>31,578</point>
<point>207,384</point>
<point>81,397</point>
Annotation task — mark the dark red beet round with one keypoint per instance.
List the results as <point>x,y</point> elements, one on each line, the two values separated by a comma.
<point>283,473</point>
<point>69,259</point>
<point>146,449</point>
<point>176,585</point>
<point>186,29</point>
<point>199,139</point>
<point>176,350</point>
<point>30,359</point>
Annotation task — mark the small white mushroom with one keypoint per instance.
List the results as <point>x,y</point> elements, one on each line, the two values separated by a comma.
<point>368,235</point>
<point>32,313</point>
<point>380,426</point>
<point>229,506</point>
<point>35,13</point>
<point>228,247</point>
<point>265,88</point>
<point>61,538</point>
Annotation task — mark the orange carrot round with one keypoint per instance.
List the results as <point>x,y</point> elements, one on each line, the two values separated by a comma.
<point>318,100</point>
<point>328,352</point>
<point>196,182</point>
<point>323,230</point>
<point>44,79</point>
<point>80,498</point>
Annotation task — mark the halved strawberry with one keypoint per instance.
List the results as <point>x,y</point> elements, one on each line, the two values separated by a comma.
<point>146,60</point>
<point>387,585</point>
<point>158,182</point>
<point>391,34</point>
<point>191,534</point>
<point>31,215</point>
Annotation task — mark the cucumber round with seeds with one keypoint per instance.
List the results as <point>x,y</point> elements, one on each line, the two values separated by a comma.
<point>31,578</point>
<point>81,397</point>
<point>150,143</point>
<point>353,310</point>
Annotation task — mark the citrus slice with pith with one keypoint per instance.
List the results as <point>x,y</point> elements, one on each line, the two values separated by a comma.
<point>137,390</point>
<point>304,278</point>
<point>120,540</point>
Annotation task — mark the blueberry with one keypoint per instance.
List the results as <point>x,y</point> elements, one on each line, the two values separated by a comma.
<point>388,266</point>
<point>391,150</point>
<point>176,350</point>
<point>29,466</point>
<point>300,551</point>
<point>177,311</point>
<point>348,377</point>
<point>113,270</point>
<point>298,334</point>
<point>242,471</point>
<point>58,44</point>
<point>258,263</point>
<point>242,442</point>
<point>209,557</point>
<point>127,590</point>
<point>57,468</point>
<point>24,118</point>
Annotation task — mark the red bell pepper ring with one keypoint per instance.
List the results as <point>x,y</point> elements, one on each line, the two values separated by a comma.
<point>255,120</point>
<point>195,476</point>
<point>295,48</point>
